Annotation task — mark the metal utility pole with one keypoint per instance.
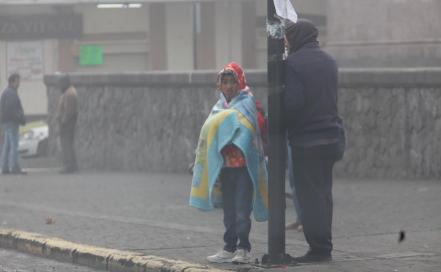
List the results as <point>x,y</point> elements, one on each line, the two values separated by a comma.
<point>277,141</point>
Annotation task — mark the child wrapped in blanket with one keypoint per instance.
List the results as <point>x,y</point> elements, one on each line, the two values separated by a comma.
<point>230,170</point>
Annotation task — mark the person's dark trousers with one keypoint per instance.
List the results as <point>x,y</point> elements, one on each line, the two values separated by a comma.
<point>313,181</point>
<point>237,194</point>
<point>67,139</point>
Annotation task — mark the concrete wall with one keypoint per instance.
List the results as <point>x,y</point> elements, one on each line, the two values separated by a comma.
<point>385,33</point>
<point>151,121</point>
<point>228,32</point>
<point>179,35</point>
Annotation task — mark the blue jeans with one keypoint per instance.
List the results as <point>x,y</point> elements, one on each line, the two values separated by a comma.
<point>9,158</point>
<point>237,193</point>
<point>295,199</point>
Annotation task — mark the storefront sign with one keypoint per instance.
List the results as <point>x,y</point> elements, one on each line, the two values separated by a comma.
<point>44,26</point>
<point>26,58</point>
<point>91,55</point>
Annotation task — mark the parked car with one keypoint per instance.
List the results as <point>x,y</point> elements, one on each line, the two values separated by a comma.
<point>34,139</point>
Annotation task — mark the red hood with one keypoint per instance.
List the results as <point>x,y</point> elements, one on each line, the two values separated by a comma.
<point>240,75</point>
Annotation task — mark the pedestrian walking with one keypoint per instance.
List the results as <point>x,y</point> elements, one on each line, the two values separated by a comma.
<point>67,115</point>
<point>12,116</point>
<point>230,169</point>
<point>315,133</point>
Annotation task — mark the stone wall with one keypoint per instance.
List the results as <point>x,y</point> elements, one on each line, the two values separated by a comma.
<point>141,122</point>
<point>151,121</point>
<point>392,119</point>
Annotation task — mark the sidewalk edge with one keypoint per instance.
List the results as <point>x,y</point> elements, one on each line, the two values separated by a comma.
<point>91,256</point>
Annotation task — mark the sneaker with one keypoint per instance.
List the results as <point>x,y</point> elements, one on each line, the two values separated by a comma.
<point>222,256</point>
<point>18,172</point>
<point>293,226</point>
<point>65,172</point>
<point>314,258</point>
<point>242,256</point>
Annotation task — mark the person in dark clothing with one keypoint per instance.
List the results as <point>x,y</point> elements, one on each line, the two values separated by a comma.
<point>12,116</point>
<point>67,115</point>
<point>315,133</point>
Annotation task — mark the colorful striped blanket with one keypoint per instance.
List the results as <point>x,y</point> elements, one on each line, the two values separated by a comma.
<point>233,123</point>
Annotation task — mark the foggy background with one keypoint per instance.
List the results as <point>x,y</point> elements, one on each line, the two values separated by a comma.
<point>145,72</point>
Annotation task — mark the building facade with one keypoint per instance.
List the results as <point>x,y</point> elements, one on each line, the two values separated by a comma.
<point>40,37</point>
<point>385,33</point>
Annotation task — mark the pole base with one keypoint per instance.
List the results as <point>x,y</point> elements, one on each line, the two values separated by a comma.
<point>282,259</point>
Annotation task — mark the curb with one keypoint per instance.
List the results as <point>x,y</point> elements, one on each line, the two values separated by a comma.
<point>95,257</point>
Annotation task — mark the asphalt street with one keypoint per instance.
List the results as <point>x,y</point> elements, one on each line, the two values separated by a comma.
<point>12,261</point>
<point>148,213</point>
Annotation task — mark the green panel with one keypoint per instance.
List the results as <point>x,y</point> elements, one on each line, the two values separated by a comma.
<point>91,55</point>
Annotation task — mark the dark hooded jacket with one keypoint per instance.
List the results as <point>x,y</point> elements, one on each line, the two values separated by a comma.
<point>310,99</point>
<point>10,107</point>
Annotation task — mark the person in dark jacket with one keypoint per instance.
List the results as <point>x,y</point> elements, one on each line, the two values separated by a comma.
<point>314,131</point>
<point>12,116</point>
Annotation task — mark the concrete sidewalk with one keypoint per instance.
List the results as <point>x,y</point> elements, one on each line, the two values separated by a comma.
<point>149,215</point>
